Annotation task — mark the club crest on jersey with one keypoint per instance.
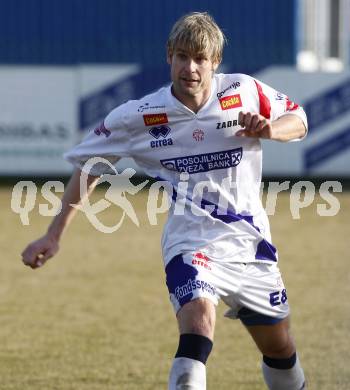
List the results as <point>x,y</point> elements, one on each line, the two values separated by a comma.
<point>160,133</point>
<point>155,119</point>
<point>198,135</point>
<point>231,101</point>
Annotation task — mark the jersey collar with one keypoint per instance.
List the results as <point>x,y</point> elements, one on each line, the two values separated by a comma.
<point>173,101</point>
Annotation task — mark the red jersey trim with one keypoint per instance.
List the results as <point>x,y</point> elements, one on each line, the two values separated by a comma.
<point>291,106</point>
<point>265,105</point>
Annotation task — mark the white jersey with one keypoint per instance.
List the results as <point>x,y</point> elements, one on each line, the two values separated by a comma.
<point>215,175</point>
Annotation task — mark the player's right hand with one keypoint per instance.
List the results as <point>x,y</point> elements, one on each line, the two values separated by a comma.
<point>38,252</point>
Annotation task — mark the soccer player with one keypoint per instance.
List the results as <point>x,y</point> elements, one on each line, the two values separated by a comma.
<point>202,135</point>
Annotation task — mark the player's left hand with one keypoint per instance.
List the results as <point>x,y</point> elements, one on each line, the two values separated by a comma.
<point>254,126</point>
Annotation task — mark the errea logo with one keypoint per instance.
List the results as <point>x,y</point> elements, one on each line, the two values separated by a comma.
<point>160,133</point>
<point>231,101</point>
<point>201,260</point>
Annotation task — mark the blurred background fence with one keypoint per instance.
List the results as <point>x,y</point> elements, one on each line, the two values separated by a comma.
<point>71,32</point>
<point>64,64</point>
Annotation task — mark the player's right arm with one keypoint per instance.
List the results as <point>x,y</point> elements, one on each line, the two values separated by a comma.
<point>39,251</point>
<point>109,141</point>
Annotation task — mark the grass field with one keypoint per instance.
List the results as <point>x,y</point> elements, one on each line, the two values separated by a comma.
<point>98,316</point>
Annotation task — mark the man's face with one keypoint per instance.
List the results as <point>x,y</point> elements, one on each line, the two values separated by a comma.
<point>191,74</point>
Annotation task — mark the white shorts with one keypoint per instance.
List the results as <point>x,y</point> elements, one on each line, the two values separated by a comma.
<point>254,292</point>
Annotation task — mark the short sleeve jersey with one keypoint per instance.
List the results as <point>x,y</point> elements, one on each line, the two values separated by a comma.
<point>214,176</point>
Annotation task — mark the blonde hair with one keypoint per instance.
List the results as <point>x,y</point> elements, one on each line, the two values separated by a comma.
<point>198,33</point>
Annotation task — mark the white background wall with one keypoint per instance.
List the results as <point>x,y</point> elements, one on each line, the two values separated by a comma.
<point>39,118</point>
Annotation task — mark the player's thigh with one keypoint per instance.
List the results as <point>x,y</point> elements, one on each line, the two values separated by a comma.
<point>274,341</point>
<point>197,316</point>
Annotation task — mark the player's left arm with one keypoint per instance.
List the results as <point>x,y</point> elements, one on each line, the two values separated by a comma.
<point>276,117</point>
<point>286,128</point>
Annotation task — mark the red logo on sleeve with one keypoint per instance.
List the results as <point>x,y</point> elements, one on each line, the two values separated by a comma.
<point>291,106</point>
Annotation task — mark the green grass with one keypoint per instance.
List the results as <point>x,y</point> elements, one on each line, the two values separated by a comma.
<point>98,316</point>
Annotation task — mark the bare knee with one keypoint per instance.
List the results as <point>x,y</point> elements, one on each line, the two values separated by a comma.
<point>198,317</point>
<point>281,349</point>
<point>274,341</point>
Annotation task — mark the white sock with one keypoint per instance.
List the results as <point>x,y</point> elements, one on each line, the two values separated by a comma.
<point>187,374</point>
<point>284,379</point>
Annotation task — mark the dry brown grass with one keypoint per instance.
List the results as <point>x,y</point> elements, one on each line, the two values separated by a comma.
<point>98,317</point>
